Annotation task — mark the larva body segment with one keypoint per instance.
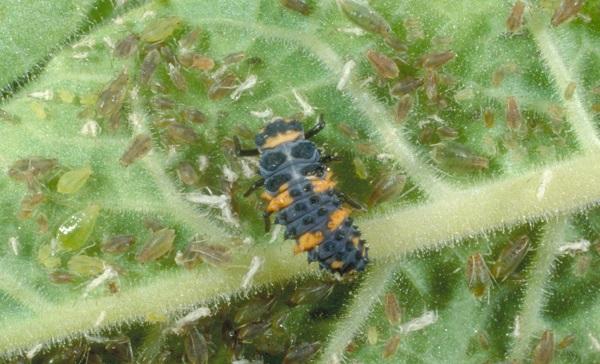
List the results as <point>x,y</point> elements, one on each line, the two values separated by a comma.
<point>300,191</point>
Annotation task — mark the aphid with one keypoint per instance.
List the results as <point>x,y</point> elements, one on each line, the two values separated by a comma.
<point>565,11</point>
<point>190,40</point>
<point>365,17</point>
<point>372,335</point>
<point>176,77</point>
<point>382,64</point>
<point>47,258</point>
<point>455,155</point>
<point>403,108</point>
<point>391,346</point>
<point>566,341</point>
<point>29,203</point>
<point>301,353</point>
<point>111,98</point>
<point>386,187</point>
<point>311,293</point>
<point>60,277</point>
<point>391,308</point>
<point>510,258</point>
<point>195,347</point>
<point>596,107</point>
<point>431,84</point>
<point>253,310</point>
<point>394,42</point>
<point>348,131</point>
<point>214,254</point>
<point>544,350</point>
<point>159,244</point>
<point>86,266</point>
<point>513,115</point>
<point>484,340</point>
<point>235,57</point>
<point>163,103</point>
<point>74,232</point>
<point>181,134</point>
<point>446,133</point>
<point>160,29</point>
<point>222,87</point>
<point>570,90</point>
<point>406,86</point>
<point>187,174</point>
<point>478,275</point>
<point>72,181</point>
<point>66,96</point>
<point>39,110</point>
<point>414,29</point>
<point>515,19</point>
<point>251,331</point>
<point>6,116</point>
<point>126,46</point>
<point>360,168</point>
<point>196,61</point>
<point>301,6</point>
<point>488,118</point>
<point>42,223</point>
<point>299,189</point>
<point>434,60</point>
<point>192,115</point>
<point>149,64</point>
<point>139,147</point>
<point>117,244</point>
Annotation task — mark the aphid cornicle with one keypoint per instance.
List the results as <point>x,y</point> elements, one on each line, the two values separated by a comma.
<point>299,189</point>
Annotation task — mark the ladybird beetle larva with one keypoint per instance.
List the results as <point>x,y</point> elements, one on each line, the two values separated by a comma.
<point>300,190</point>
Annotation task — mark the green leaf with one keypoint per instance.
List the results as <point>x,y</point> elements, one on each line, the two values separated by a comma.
<point>490,144</point>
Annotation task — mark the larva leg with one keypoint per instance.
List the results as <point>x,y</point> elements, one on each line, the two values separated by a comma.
<point>320,125</point>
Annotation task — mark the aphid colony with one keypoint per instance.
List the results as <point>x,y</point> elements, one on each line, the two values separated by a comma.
<point>299,189</point>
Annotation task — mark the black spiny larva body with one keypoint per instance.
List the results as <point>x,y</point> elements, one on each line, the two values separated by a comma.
<point>300,191</point>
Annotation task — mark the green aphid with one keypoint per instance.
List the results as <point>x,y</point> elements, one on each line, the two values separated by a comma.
<point>159,244</point>
<point>361,169</point>
<point>365,17</point>
<point>75,231</point>
<point>72,181</point>
<point>46,258</point>
<point>160,29</point>
<point>457,156</point>
<point>86,266</point>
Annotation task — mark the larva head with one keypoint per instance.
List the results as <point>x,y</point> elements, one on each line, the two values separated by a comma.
<point>277,132</point>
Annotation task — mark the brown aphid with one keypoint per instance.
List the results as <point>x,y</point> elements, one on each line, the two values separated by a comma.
<point>222,87</point>
<point>434,60</point>
<point>348,131</point>
<point>386,187</point>
<point>478,275</point>
<point>192,115</point>
<point>565,11</point>
<point>253,310</point>
<point>544,350</point>
<point>42,223</point>
<point>427,135</point>
<point>113,287</point>
<point>403,107</point>
<point>111,98</point>
<point>153,224</point>
<point>392,309</point>
<point>6,116</point>
<point>29,203</point>
<point>382,64</point>
<point>395,43</point>
<point>251,331</point>
<point>510,258</point>
<point>114,120</point>
<point>515,19</point>
<point>188,259</point>
<point>406,86</point>
<point>447,133</point>
<point>310,293</point>
<point>126,46</point>
<point>365,17</point>
<point>431,83</point>
<point>187,174</point>
<point>596,107</point>
<point>118,244</point>
<point>139,147</point>
<point>301,6</point>
<point>177,77</point>
<point>159,244</point>
<point>582,265</point>
<point>181,134</point>
<point>196,61</point>
<point>391,346</point>
<point>213,254</point>
<point>570,90</point>
<point>190,40</point>
<point>488,118</point>
<point>484,340</point>
<point>235,57</point>
<point>149,64</point>
<point>456,155</point>
<point>367,149</point>
<point>30,168</point>
<point>301,353</point>
<point>195,347</point>
<point>61,277</point>
<point>566,341</point>
<point>163,103</point>
<point>513,114</point>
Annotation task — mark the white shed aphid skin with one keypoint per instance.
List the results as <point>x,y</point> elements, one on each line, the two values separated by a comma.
<point>202,163</point>
<point>86,42</point>
<point>108,274</point>
<point>80,55</point>
<point>249,167</point>
<point>13,242</point>
<point>307,108</point>
<point>580,246</point>
<point>594,341</point>
<point>346,73</point>
<point>190,318</point>
<point>221,202</point>
<point>359,32</point>
<point>426,319</point>
<point>31,353</point>
<point>517,327</point>
<point>265,114</point>
<point>45,95</point>
<point>110,43</point>
<point>541,190</point>
<point>255,265</point>
<point>100,319</point>
<point>90,128</point>
<point>248,84</point>
<point>229,174</point>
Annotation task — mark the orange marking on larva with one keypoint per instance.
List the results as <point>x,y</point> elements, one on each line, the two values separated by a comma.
<point>266,196</point>
<point>336,264</point>
<point>280,201</point>
<point>308,241</point>
<point>337,217</point>
<point>355,241</point>
<point>322,185</point>
<point>280,138</point>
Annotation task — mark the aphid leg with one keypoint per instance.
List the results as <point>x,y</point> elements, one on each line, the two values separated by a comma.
<point>317,128</point>
<point>353,203</point>
<point>267,220</point>
<point>256,185</point>
<point>243,152</point>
